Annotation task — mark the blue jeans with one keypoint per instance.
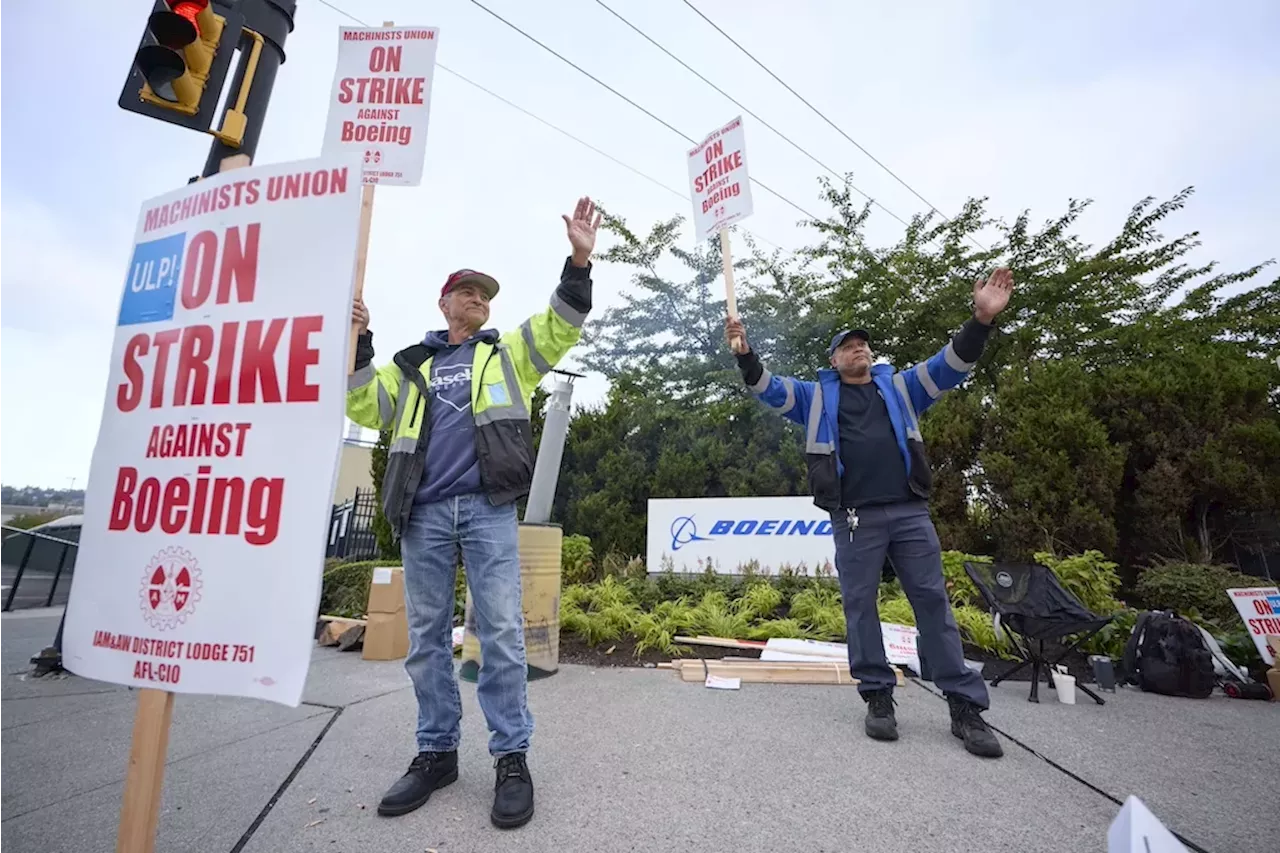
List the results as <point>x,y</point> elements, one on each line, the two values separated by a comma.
<point>905,532</point>
<point>489,538</point>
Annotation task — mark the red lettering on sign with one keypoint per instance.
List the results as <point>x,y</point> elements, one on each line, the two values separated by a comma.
<point>194,441</point>
<point>385,58</point>
<point>382,90</point>
<point>221,509</point>
<point>717,170</point>
<point>257,371</point>
<point>301,356</point>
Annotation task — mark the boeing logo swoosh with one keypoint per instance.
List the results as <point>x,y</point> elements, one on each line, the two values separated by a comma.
<point>685,531</point>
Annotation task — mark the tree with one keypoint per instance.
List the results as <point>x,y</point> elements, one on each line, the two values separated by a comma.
<point>388,549</point>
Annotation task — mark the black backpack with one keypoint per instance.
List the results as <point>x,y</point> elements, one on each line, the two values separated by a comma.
<point>1166,654</point>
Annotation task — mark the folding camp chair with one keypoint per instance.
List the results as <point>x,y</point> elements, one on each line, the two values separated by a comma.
<point>1031,605</point>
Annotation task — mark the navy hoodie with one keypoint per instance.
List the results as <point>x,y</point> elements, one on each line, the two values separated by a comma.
<point>451,465</point>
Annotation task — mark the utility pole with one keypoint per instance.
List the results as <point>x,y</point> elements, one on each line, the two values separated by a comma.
<point>546,471</point>
<point>273,21</point>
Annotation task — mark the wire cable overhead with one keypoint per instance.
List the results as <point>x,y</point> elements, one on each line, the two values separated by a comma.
<point>660,121</point>
<point>821,115</point>
<point>749,111</point>
<point>554,127</point>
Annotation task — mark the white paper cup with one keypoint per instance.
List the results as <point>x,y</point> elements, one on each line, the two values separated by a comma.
<point>1066,688</point>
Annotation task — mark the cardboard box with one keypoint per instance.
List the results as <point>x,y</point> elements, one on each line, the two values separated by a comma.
<point>1273,681</point>
<point>1273,643</point>
<point>386,636</point>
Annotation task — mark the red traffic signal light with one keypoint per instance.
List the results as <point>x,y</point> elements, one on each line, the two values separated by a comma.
<point>176,67</point>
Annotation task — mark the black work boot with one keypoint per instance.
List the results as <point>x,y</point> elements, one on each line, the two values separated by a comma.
<point>967,723</point>
<point>880,723</point>
<point>427,772</point>
<point>512,792</point>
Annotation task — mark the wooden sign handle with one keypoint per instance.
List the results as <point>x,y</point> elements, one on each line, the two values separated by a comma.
<point>736,344</point>
<point>140,811</point>
<point>362,254</point>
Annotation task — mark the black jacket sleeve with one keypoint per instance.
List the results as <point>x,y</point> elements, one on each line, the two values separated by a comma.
<point>575,286</point>
<point>971,340</point>
<point>751,367</point>
<point>364,349</point>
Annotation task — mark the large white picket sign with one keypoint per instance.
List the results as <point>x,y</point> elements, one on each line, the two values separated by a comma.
<point>726,534</point>
<point>217,454</point>
<point>718,180</point>
<point>381,100</point>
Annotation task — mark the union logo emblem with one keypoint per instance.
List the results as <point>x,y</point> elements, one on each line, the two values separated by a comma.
<point>171,588</point>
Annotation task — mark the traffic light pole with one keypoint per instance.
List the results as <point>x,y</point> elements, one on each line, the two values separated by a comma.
<point>273,20</point>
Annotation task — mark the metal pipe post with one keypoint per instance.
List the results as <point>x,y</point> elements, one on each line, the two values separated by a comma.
<point>546,471</point>
<point>273,19</point>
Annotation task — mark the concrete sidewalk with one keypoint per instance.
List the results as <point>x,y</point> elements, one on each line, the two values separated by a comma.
<point>632,759</point>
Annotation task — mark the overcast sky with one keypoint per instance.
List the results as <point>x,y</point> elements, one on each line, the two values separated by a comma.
<point>1031,104</point>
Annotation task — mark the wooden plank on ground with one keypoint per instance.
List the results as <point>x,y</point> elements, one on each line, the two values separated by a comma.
<point>720,642</point>
<point>696,670</point>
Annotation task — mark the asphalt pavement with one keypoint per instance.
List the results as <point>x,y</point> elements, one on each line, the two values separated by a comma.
<point>631,759</point>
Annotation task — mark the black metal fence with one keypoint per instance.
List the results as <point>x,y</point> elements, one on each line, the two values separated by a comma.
<point>351,534</point>
<point>34,565</point>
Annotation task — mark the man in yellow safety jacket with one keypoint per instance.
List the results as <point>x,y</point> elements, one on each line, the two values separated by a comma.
<point>457,405</point>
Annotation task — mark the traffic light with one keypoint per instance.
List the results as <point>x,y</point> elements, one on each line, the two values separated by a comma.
<point>182,62</point>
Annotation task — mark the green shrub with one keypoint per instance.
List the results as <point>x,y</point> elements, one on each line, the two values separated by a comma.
<point>344,589</point>
<point>714,617</point>
<point>1110,641</point>
<point>785,629</point>
<point>978,629</point>
<point>1187,587</point>
<point>1090,577</point>
<point>960,588</point>
<point>577,561</point>
<point>896,610</point>
<point>759,600</point>
<point>819,608</point>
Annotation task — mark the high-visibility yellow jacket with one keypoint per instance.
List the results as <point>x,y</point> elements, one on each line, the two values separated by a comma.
<point>504,371</point>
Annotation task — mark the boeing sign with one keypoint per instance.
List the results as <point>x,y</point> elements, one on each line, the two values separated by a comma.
<point>684,530</point>
<point>729,534</point>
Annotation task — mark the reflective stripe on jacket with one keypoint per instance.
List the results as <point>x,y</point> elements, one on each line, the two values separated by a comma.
<point>505,370</point>
<point>907,394</point>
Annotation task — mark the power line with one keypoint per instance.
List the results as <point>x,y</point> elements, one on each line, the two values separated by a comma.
<point>554,127</point>
<point>749,112</point>
<point>582,70</point>
<point>821,115</point>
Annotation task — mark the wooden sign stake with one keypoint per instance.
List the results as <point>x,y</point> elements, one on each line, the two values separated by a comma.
<point>362,253</point>
<point>140,812</point>
<point>731,299</point>
<point>144,780</point>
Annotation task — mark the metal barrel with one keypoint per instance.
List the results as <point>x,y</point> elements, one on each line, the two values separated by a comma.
<point>540,546</point>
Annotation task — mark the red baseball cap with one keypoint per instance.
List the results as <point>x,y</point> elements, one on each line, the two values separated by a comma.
<point>486,283</point>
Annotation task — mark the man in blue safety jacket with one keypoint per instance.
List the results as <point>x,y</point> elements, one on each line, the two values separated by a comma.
<point>457,406</point>
<point>867,467</point>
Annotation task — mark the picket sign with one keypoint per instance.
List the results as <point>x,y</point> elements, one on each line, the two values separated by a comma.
<point>144,779</point>
<point>379,106</point>
<point>227,349</point>
<point>721,193</point>
<point>362,252</point>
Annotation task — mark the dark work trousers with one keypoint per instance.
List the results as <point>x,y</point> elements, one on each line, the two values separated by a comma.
<point>905,532</point>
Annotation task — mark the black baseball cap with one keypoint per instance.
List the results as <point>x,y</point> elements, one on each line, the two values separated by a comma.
<point>840,336</point>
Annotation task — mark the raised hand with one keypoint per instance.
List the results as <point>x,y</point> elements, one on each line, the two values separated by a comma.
<point>736,334</point>
<point>990,297</point>
<point>582,230</point>
<point>359,315</point>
